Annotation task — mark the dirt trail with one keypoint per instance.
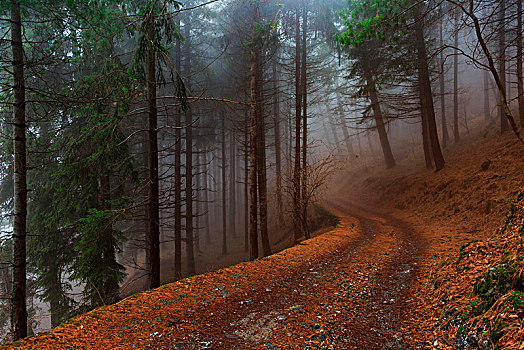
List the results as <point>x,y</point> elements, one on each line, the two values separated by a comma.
<point>347,289</point>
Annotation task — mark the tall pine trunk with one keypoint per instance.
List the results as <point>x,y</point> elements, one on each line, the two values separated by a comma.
<point>232,184</point>
<point>153,232</point>
<point>278,151</point>
<point>205,179</point>
<point>487,112</point>
<point>456,133</point>
<point>303,78</point>
<point>253,192</point>
<point>190,253</point>
<point>298,110</point>
<point>379,119</point>
<point>502,65</point>
<point>442,81</point>
<point>246,187</point>
<point>224,184</point>
<point>261,165</point>
<point>425,82</point>
<point>19,307</point>
<point>178,171</point>
<point>520,82</point>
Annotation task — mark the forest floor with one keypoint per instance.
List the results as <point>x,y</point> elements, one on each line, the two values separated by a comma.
<point>368,284</point>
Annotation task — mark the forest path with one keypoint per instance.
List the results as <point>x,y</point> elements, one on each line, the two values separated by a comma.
<point>346,289</point>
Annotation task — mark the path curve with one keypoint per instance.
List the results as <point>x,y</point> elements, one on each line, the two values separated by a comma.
<point>346,289</point>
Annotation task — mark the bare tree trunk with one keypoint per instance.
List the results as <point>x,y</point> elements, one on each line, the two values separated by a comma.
<point>426,84</point>
<point>444,123</point>
<point>456,133</point>
<point>261,165</point>
<point>153,233</point>
<point>303,77</point>
<point>379,120</point>
<point>487,112</point>
<point>206,196</point>
<point>232,185</point>
<point>502,64</point>
<point>426,144</point>
<point>520,82</point>
<point>253,192</point>
<point>178,172</point>
<point>298,109</point>
<point>498,81</point>
<point>198,204</point>
<point>246,188</point>
<point>19,307</point>
<point>278,151</point>
<point>190,254</point>
<point>224,185</point>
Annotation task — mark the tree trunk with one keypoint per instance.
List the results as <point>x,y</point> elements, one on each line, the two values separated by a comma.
<point>253,195</point>
<point>426,84</point>
<point>502,64</point>
<point>198,204</point>
<point>520,82</point>
<point>442,80</point>
<point>379,119</point>
<point>232,185</point>
<point>178,171</point>
<point>246,188</point>
<point>153,233</point>
<point>487,112</point>
<point>278,151</point>
<point>206,196</point>
<point>19,307</point>
<point>261,165</point>
<point>224,185</point>
<point>298,109</point>
<point>496,76</point>
<point>426,144</point>
<point>456,134</point>
<point>303,77</point>
<point>190,254</point>
<point>111,286</point>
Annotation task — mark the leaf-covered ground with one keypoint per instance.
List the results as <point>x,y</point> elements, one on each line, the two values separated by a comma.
<point>345,289</point>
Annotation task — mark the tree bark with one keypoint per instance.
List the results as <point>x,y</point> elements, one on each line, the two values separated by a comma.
<point>153,233</point>
<point>246,187</point>
<point>520,82</point>
<point>190,253</point>
<point>205,176</point>
<point>456,133</point>
<point>253,192</point>
<point>442,80</point>
<point>232,185</point>
<point>178,170</point>
<point>502,64</point>
<point>303,77</point>
<point>487,112</point>
<point>224,184</point>
<point>19,307</point>
<point>438,158</point>
<point>278,151</point>
<point>298,110</point>
<point>261,164</point>
<point>379,119</point>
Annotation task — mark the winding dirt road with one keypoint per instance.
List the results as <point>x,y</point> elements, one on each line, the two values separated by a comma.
<point>346,289</point>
